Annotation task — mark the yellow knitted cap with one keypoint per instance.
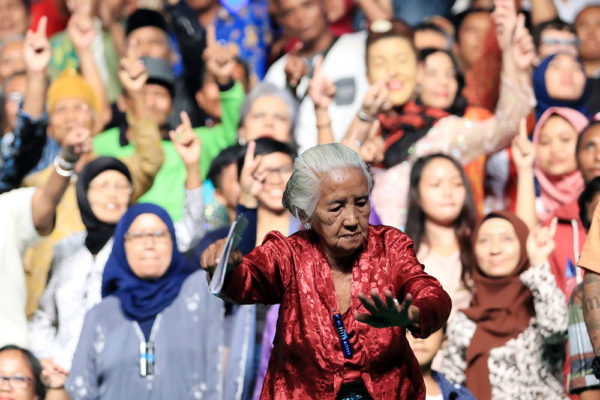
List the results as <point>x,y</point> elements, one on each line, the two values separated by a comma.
<point>70,84</point>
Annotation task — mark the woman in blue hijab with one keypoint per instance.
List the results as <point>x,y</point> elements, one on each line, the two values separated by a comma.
<point>157,334</point>
<point>560,81</point>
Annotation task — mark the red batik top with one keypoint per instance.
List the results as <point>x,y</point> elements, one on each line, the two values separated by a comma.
<point>307,360</point>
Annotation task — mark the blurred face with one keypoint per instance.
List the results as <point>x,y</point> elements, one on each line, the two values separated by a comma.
<point>588,156</point>
<point>555,41</point>
<point>11,59</point>
<point>149,41</point>
<point>14,19</point>
<point>336,9</point>
<point>108,194</point>
<point>555,150</point>
<point>565,78</point>
<point>209,98</point>
<point>15,90</point>
<point>268,117</point>
<point>14,365</point>
<point>304,19</point>
<point>430,39</point>
<point>471,36</point>
<point>229,192</point>
<point>278,170</point>
<point>442,191</point>
<point>159,102</point>
<point>148,247</point>
<point>341,218</point>
<point>438,81</point>
<point>67,114</point>
<point>425,349</point>
<point>587,25</point>
<point>393,59</point>
<point>497,248</point>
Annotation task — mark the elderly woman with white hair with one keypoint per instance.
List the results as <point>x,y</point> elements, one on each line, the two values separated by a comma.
<point>338,282</point>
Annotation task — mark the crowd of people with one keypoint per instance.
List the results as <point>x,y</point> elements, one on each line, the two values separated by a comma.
<point>420,181</point>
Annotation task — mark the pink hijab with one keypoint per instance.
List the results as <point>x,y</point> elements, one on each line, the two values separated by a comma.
<point>561,190</point>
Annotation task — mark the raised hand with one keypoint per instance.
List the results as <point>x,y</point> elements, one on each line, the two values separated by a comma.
<point>522,46</point>
<point>320,88</point>
<point>186,142</point>
<point>540,243</point>
<point>81,31</point>
<point>53,376</point>
<point>37,49</point>
<point>371,150</point>
<point>251,176</point>
<point>132,74</point>
<point>295,67</point>
<point>219,60</point>
<point>388,313</point>
<point>523,151</point>
<point>77,142</point>
<point>376,100</point>
<point>211,256</point>
<point>505,18</point>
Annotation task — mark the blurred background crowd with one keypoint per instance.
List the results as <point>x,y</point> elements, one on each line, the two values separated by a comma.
<point>465,111</point>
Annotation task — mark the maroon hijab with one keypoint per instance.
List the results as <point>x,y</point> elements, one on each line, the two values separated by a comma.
<point>501,308</point>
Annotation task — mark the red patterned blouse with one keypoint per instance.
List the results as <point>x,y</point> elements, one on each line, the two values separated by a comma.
<point>307,360</point>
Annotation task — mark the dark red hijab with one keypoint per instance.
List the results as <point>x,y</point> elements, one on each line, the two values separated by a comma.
<point>501,307</point>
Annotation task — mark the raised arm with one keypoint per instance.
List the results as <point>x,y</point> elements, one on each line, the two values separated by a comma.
<point>548,300</point>
<point>148,155</point>
<point>523,153</point>
<point>321,90</point>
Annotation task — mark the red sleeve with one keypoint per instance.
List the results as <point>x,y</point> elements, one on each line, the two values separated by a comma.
<point>428,295</point>
<point>263,274</point>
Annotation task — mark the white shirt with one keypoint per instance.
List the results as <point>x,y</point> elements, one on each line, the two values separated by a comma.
<point>345,66</point>
<point>17,233</point>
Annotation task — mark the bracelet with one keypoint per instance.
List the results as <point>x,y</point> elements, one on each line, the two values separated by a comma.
<point>63,168</point>
<point>364,117</point>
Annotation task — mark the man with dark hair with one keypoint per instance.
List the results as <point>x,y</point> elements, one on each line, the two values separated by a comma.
<point>430,36</point>
<point>224,174</point>
<point>554,36</point>
<point>587,26</point>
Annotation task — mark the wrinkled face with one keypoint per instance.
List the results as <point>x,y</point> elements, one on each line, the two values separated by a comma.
<point>497,248</point>
<point>555,150</point>
<point>587,25</point>
<point>588,156</point>
<point>471,36</point>
<point>268,117</point>
<point>14,365</point>
<point>439,86</point>
<point>108,194</point>
<point>554,41</point>
<point>67,114</point>
<point>442,191</point>
<point>393,58</point>
<point>278,170</point>
<point>148,41</point>
<point>148,247</point>
<point>14,19</point>
<point>425,349</point>
<point>303,19</point>
<point>565,78</point>
<point>430,39</point>
<point>12,59</point>
<point>229,192</point>
<point>159,102</point>
<point>15,91</point>
<point>341,218</point>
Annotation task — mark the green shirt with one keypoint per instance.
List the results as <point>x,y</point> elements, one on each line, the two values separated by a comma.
<point>169,184</point>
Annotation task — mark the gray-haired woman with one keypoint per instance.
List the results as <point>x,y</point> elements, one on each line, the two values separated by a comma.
<point>320,277</point>
<point>268,111</point>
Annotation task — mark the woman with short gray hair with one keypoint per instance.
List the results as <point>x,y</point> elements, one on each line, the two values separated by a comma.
<point>338,282</point>
<point>268,111</point>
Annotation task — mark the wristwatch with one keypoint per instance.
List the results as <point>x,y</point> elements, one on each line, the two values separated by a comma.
<point>596,366</point>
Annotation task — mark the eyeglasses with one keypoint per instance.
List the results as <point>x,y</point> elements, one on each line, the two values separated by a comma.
<point>16,382</point>
<point>139,237</point>
<point>117,187</point>
<point>555,42</point>
<point>280,173</point>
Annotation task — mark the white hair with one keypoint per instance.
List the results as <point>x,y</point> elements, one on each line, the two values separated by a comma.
<point>302,191</point>
<point>267,89</point>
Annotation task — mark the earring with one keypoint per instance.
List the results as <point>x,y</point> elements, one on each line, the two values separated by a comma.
<point>307,226</point>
